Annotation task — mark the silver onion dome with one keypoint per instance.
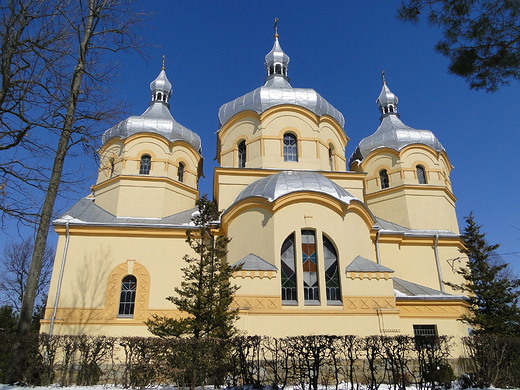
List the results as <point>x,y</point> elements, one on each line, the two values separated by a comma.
<point>275,186</point>
<point>392,133</point>
<point>156,119</point>
<point>277,91</point>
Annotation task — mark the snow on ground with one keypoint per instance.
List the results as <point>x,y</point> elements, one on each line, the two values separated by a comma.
<point>108,387</point>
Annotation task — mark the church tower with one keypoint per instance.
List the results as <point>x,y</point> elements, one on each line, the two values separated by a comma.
<point>150,164</point>
<point>276,127</point>
<point>407,172</point>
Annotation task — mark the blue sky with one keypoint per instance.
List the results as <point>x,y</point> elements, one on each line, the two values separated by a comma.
<point>215,52</point>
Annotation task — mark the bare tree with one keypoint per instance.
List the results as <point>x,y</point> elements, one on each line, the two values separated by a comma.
<point>15,268</point>
<point>77,93</point>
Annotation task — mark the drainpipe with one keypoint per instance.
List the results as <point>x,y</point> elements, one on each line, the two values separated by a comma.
<point>378,253</point>
<point>437,260</point>
<point>60,278</point>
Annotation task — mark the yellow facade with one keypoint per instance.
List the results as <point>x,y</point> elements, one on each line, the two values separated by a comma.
<point>325,249</point>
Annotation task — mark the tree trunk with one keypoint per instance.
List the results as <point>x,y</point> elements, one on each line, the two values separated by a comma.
<point>17,357</point>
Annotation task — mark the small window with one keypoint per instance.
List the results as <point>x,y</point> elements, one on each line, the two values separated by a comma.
<point>383,176</point>
<point>112,166</point>
<point>242,154</point>
<point>331,157</point>
<point>290,147</point>
<point>180,172</point>
<point>421,174</point>
<point>146,163</point>
<point>425,330</point>
<point>127,300</point>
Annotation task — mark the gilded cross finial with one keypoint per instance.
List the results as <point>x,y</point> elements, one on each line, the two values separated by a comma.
<point>275,27</point>
<point>163,62</point>
<point>383,76</point>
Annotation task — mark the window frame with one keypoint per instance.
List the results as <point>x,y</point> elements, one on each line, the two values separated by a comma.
<point>181,170</point>
<point>127,297</point>
<point>307,269</point>
<point>290,147</point>
<point>425,330</point>
<point>145,164</point>
<point>384,179</point>
<point>241,154</point>
<point>421,174</point>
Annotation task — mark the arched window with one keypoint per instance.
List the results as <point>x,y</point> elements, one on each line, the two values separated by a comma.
<point>331,157</point>
<point>112,166</point>
<point>311,291</point>
<point>146,163</point>
<point>127,300</point>
<point>180,172</point>
<point>383,176</point>
<point>311,279</point>
<point>288,261</point>
<point>242,154</point>
<point>421,174</point>
<point>330,258</point>
<point>290,147</point>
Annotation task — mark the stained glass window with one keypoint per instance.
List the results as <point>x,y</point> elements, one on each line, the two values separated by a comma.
<point>288,271</point>
<point>331,271</point>
<point>310,267</point>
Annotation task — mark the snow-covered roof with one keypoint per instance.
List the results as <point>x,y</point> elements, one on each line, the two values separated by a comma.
<point>86,212</point>
<point>252,262</point>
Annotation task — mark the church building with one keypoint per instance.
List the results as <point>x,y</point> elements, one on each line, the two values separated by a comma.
<point>328,245</point>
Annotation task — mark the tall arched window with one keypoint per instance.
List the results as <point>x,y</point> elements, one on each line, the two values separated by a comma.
<point>288,261</point>
<point>180,172</point>
<point>311,280</point>
<point>383,176</point>
<point>290,147</point>
<point>421,174</point>
<point>311,292</point>
<point>127,299</point>
<point>146,163</point>
<point>330,258</point>
<point>242,154</point>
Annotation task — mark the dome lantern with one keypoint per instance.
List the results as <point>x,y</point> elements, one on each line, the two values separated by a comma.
<point>387,101</point>
<point>392,132</point>
<point>276,61</point>
<point>161,87</point>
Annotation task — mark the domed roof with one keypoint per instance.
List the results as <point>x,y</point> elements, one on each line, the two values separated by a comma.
<point>392,132</point>
<point>275,186</point>
<point>277,91</point>
<point>156,119</point>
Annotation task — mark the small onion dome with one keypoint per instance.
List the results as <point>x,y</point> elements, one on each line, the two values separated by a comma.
<point>387,101</point>
<point>277,57</point>
<point>275,186</point>
<point>156,119</point>
<point>277,91</point>
<point>392,133</point>
<point>161,84</point>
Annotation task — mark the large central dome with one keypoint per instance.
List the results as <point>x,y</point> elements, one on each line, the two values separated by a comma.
<point>277,91</point>
<point>275,186</point>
